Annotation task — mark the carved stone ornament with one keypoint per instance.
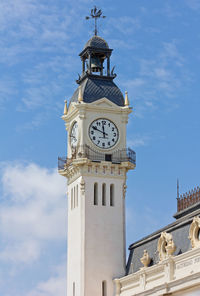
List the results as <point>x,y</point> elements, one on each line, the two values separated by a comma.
<point>166,246</point>
<point>145,260</point>
<point>170,248</point>
<point>82,185</point>
<point>124,190</point>
<point>194,233</point>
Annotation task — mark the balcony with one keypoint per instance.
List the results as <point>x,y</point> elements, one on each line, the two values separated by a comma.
<point>117,157</point>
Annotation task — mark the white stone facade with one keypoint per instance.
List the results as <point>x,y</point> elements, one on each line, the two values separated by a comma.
<point>173,275</point>
<point>96,228</point>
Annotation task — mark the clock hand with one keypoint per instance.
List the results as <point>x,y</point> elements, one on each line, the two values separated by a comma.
<point>96,129</point>
<point>103,131</point>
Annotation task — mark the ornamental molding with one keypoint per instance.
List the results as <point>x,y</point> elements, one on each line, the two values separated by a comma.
<point>100,106</point>
<point>82,186</point>
<point>194,231</point>
<point>89,168</point>
<point>166,246</point>
<point>124,190</point>
<point>176,273</point>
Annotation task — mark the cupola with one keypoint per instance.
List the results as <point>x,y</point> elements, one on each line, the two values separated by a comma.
<point>96,51</point>
<point>96,79</point>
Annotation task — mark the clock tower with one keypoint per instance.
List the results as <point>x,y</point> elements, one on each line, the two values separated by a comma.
<point>95,167</point>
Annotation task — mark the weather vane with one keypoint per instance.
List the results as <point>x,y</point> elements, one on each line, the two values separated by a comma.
<point>95,14</point>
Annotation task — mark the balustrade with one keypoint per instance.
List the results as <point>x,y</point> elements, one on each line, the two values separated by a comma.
<point>123,155</point>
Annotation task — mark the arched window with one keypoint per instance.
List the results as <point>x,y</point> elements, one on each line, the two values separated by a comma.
<point>74,289</point>
<point>104,288</point>
<point>71,198</point>
<point>103,194</point>
<point>112,195</point>
<point>74,196</point>
<point>95,194</point>
<point>77,195</point>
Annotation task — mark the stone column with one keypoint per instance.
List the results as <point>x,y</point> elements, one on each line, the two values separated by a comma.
<point>89,60</point>
<point>108,65</point>
<point>83,65</point>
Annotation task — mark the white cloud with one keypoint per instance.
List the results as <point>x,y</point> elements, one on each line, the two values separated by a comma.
<point>41,87</point>
<point>23,252</point>
<point>32,32</point>
<point>55,285</point>
<point>6,90</point>
<point>162,76</point>
<point>138,141</point>
<point>124,24</point>
<point>137,82</point>
<point>33,211</point>
<point>193,4</point>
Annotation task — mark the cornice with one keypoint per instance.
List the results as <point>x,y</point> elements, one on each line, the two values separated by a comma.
<point>168,276</point>
<point>100,106</point>
<point>103,169</point>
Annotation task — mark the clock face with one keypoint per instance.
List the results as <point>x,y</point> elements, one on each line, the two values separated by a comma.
<point>103,133</point>
<point>74,135</point>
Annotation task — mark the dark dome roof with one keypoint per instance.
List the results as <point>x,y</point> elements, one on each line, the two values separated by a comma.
<point>97,42</point>
<point>95,89</point>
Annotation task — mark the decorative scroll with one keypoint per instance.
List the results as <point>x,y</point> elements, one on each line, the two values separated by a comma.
<point>166,246</point>
<point>194,233</point>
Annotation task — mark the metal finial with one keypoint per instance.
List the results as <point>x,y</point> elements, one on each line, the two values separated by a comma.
<point>80,96</point>
<point>95,14</point>
<point>177,188</point>
<point>126,102</point>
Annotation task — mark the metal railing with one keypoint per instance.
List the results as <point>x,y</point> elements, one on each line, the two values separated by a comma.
<point>123,155</point>
<point>188,199</point>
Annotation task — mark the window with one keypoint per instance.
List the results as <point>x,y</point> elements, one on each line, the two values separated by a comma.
<point>103,194</point>
<point>95,194</point>
<point>71,199</point>
<point>74,289</point>
<point>74,196</point>
<point>104,288</point>
<point>112,195</point>
<point>77,195</point>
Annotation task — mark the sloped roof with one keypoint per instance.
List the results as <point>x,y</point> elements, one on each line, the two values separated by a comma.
<point>180,232</point>
<point>94,89</point>
<point>97,42</point>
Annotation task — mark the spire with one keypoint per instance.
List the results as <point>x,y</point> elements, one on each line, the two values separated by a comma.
<point>65,108</point>
<point>95,14</point>
<point>126,103</point>
<point>177,188</point>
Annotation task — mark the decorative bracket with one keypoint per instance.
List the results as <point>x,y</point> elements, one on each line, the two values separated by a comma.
<point>82,185</point>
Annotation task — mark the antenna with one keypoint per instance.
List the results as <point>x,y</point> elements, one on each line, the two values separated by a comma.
<point>177,188</point>
<point>95,14</point>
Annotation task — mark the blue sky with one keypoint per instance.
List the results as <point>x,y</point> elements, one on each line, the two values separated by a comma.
<point>157,56</point>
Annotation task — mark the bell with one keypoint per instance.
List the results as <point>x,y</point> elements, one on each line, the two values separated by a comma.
<point>96,64</point>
